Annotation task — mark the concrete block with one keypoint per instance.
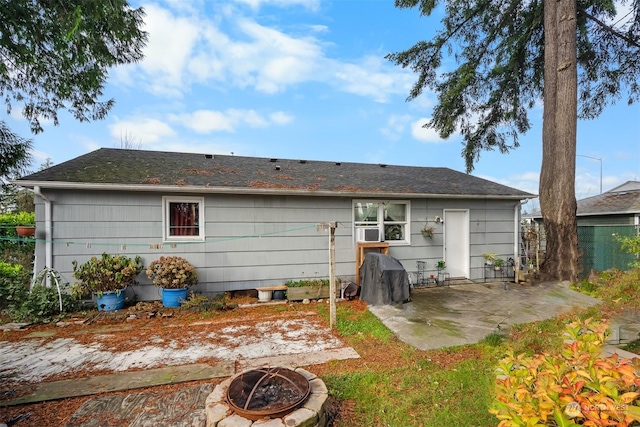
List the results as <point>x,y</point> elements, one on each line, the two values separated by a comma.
<point>216,412</point>
<point>302,417</point>
<point>219,393</point>
<point>318,386</point>
<point>276,422</point>
<point>316,402</point>
<point>235,421</point>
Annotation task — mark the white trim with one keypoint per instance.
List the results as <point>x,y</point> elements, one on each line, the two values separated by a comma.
<point>165,218</point>
<point>380,222</point>
<point>245,190</point>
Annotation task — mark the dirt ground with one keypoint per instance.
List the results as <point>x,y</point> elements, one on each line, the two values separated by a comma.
<point>167,329</point>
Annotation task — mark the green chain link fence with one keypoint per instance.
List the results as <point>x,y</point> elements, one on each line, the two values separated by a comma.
<point>600,249</point>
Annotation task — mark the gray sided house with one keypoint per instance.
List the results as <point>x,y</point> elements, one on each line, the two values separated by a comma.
<point>249,222</point>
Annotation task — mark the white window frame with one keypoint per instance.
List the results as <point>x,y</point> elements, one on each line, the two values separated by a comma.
<point>380,223</point>
<point>166,201</point>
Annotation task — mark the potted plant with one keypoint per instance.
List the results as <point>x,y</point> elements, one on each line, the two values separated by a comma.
<point>489,257</point>
<point>498,263</point>
<point>427,232</point>
<point>173,275</point>
<point>298,290</point>
<point>25,224</point>
<point>106,277</point>
<point>441,265</point>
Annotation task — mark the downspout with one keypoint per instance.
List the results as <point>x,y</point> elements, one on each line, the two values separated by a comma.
<point>516,241</point>
<point>48,239</point>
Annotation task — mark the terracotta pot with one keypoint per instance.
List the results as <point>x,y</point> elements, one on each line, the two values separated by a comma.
<point>25,230</point>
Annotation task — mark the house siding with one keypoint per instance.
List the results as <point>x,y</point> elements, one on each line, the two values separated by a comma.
<point>253,240</point>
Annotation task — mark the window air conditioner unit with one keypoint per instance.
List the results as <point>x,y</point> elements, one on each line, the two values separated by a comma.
<point>368,234</point>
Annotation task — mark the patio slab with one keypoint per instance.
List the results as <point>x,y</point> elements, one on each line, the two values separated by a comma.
<point>465,314</point>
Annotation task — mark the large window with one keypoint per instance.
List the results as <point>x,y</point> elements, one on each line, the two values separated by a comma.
<point>390,217</point>
<point>183,218</point>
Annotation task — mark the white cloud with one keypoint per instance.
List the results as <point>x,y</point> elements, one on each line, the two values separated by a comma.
<point>143,129</point>
<point>372,77</point>
<point>171,41</point>
<point>279,59</point>
<point>207,121</point>
<point>425,134</point>
<point>526,181</point>
<point>395,126</point>
<point>281,118</point>
<point>229,49</point>
<point>256,4</point>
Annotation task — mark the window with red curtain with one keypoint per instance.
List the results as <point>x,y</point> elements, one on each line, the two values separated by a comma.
<point>184,219</point>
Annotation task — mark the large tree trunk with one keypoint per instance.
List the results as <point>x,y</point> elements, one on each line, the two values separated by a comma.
<point>557,177</point>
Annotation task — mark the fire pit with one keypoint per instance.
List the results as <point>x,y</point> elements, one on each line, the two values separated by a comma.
<point>286,397</point>
<point>267,393</point>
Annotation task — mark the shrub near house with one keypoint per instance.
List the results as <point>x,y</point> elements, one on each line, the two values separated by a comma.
<point>109,273</point>
<point>575,387</point>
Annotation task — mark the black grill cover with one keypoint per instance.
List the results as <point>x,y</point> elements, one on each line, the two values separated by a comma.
<point>383,280</point>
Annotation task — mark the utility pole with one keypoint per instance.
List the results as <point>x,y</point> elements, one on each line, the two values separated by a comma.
<point>598,159</point>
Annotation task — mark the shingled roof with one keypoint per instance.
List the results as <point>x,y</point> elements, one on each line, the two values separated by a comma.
<point>141,170</point>
<point>623,199</point>
<point>620,200</point>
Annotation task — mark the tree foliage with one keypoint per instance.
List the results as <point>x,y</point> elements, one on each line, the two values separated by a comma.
<point>14,153</point>
<point>486,65</point>
<point>57,54</point>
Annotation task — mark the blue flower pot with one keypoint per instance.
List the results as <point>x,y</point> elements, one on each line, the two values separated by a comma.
<point>111,301</point>
<point>173,297</point>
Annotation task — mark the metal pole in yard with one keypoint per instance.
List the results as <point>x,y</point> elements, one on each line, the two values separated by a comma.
<point>332,275</point>
<point>332,268</point>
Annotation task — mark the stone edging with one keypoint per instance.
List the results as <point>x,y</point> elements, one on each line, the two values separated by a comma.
<point>312,413</point>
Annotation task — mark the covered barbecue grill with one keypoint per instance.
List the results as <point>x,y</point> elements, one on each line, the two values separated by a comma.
<point>383,280</point>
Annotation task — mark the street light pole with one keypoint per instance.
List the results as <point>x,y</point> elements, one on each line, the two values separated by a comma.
<point>598,159</point>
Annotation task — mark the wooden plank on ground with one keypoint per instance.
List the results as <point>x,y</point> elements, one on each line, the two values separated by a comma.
<point>123,381</point>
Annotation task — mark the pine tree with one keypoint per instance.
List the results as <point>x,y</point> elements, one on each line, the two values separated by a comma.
<point>578,56</point>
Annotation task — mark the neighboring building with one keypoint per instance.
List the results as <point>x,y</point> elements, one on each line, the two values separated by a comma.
<point>618,206</point>
<point>600,218</point>
<point>246,222</point>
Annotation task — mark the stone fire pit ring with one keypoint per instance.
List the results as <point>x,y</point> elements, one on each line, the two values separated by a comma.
<point>310,413</point>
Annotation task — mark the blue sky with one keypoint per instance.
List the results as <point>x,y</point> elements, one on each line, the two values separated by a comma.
<point>307,79</point>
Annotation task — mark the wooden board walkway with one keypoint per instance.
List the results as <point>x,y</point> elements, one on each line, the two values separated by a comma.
<point>123,381</point>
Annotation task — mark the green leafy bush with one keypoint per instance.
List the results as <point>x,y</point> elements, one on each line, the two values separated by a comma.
<point>18,218</point>
<point>576,387</point>
<point>631,244</point>
<point>42,304</point>
<point>109,273</point>
<point>14,284</point>
<point>615,287</point>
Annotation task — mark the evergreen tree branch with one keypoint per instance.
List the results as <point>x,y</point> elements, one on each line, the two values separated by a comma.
<point>609,29</point>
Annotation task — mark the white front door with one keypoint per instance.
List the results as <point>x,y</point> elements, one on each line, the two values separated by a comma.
<point>456,242</point>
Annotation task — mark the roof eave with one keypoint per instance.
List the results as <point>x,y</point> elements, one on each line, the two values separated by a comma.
<point>608,213</point>
<point>251,190</point>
